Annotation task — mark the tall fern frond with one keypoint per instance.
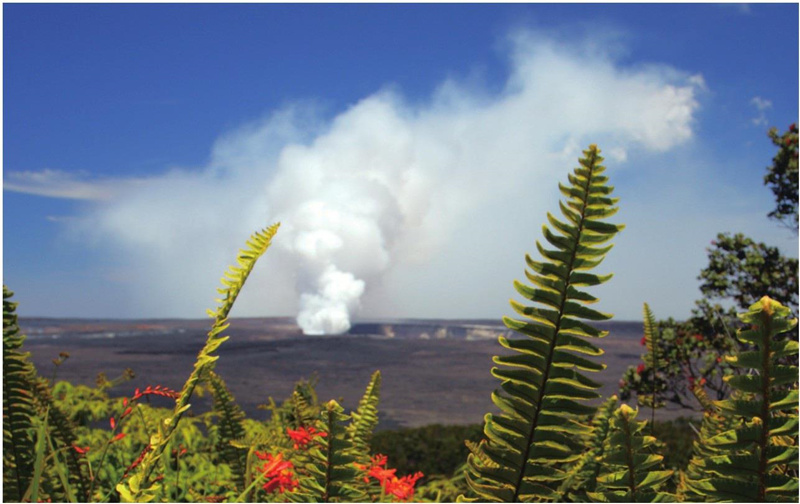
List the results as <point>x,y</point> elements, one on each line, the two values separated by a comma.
<point>18,407</point>
<point>332,474</point>
<point>365,419</point>
<point>138,486</point>
<point>229,429</point>
<point>630,472</point>
<point>540,382</point>
<point>651,338</point>
<point>757,458</point>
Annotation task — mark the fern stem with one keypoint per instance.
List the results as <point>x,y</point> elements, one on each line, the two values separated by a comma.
<point>765,390</point>
<point>549,360</point>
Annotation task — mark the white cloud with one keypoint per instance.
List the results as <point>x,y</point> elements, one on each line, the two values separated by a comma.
<point>390,207</point>
<point>61,184</point>
<point>762,105</point>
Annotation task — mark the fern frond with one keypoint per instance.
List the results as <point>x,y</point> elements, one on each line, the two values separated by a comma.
<point>332,474</point>
<point>541,387</point>
<point>629,471</point>
<point>582,476</point>
<point>229,429</point>
<point>365,419</point>
<point>651,338</point>
<point>18,408</point>
<point>138,486</point>
<point>63,436</point>
<point>754,460</point>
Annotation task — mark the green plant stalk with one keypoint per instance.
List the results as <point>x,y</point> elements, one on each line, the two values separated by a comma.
<point>233,280</point>
<point>60,468</point>
<point>38,466</point>
<point>243,496</point>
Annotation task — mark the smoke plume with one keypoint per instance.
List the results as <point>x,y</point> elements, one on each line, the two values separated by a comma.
<point>384,187</point>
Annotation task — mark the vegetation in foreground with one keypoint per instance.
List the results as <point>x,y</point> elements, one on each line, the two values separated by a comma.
<point>546,444</point>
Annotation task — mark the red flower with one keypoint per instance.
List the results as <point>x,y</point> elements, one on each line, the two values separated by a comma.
<point>691,382</point>
<point>402,488</point>
<point>640,368</point>
<point>303,436</point>
<point>117,437</point>
<point>698,337</point>
<point>793,127</point>
<point>80,450</point>
<point>158,390</point>
<point>702,381</point>
<point>278,473</point>
<point>643,342</point>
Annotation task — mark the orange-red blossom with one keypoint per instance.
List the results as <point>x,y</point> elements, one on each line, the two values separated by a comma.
<point>278,473</point>
<point>303,436</point>
<point>401,488</point>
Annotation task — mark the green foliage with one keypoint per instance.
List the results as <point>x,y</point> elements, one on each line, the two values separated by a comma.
<point>18,407</point>
<point>652,340</point>
<point>139,485</point>
<point>630,472</point>
<point>230,428</point>
<point>431,449</point>
<point>539,396</point>
<point>743,270</point>
<point>754,460</point>
<point>582,476</point>
<point>781,176</point>
<point>333,475</point>
<point>365,419</point>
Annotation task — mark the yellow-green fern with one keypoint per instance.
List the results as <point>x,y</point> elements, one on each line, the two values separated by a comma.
<point>756,460</point>
<point>139,486</point>
<point>541,423</point>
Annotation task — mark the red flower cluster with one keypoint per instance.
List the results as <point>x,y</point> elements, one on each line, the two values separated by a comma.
<point>698,337</point>
<point>401,488</point>
<point>640,368</point>
<point>278,473</point>
<point>643,342</point>
<point>303,436</point>
<point>158,390</point>
<point>137,461</point>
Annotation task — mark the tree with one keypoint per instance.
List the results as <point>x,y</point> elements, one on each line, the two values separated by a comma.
<point>739,270</point>
<point>781,177</point>
<point>745,271</point>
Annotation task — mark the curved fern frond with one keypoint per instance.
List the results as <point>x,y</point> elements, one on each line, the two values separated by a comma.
<point>365,419</point>
<point>18,407</point>
<point>541,386</point>
<point>229,429</point>
<point>756,460</point>
<point>630,472</point>
<point>332,474</point>
<point>138,486</point>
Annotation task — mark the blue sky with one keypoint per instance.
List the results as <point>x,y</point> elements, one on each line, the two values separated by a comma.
<point>411,151</point>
